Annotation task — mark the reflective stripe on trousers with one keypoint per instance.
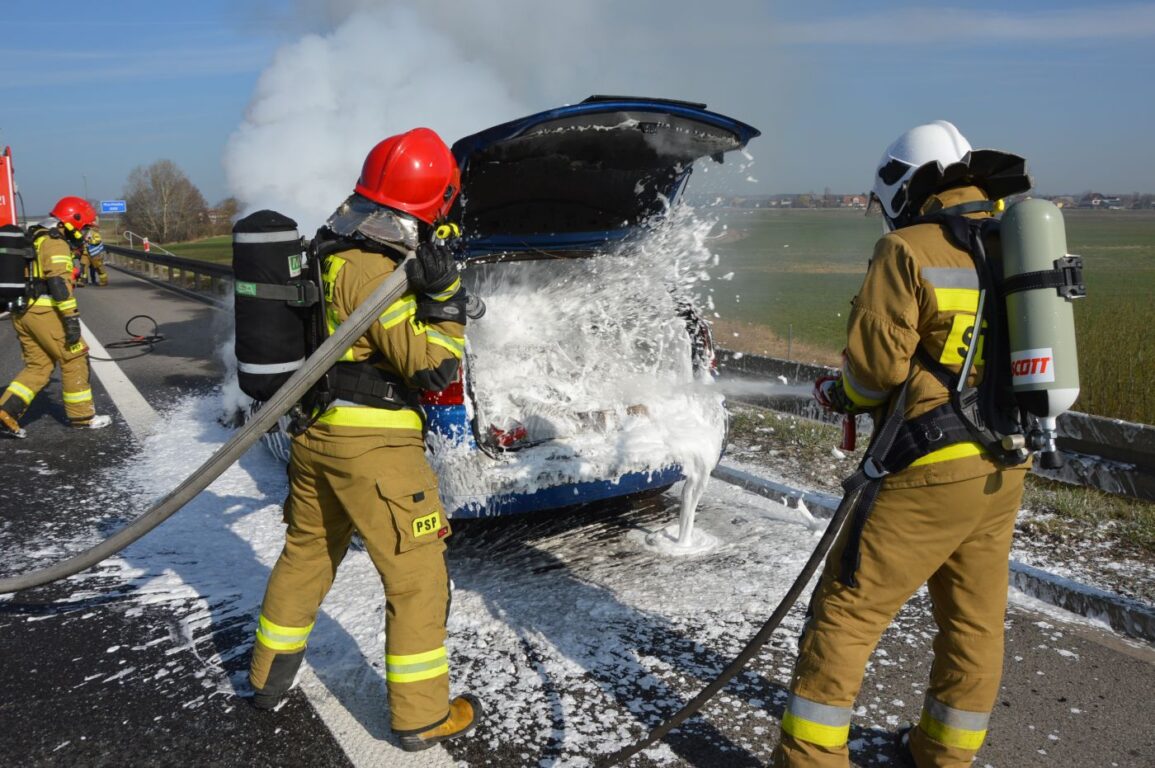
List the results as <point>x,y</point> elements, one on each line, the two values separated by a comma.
<point>953,727</point>
<point>821,724</point>
<point>281,638</point>
<point>415,667</point>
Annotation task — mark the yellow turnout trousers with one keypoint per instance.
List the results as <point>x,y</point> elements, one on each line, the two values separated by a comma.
<point>41,335</point>
<point>385,490</point>
<point>956,538</point>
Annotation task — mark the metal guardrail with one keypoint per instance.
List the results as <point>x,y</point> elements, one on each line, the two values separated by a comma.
<point>1108,454</point>
<point>1111,455</point>
<point>200,279</point>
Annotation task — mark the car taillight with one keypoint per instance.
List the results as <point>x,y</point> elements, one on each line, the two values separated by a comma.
<point>454,394</point>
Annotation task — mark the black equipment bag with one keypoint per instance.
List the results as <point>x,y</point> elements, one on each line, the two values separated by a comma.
<point>16,253</point>
<point>272,304</point>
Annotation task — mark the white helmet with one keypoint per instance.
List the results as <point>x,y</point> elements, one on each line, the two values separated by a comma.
<point>938,142</point>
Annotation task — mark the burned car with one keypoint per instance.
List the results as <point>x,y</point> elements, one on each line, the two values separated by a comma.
<point>589,375</point>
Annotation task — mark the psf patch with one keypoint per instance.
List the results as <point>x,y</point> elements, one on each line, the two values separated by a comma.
<point>1032,366</point>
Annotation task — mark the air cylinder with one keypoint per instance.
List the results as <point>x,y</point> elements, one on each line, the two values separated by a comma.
<point>1041,281</point>
<point>271,333</point>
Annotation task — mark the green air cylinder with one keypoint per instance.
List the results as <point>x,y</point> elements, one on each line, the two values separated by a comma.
<point>271,333</point>
<point>1041,281</point>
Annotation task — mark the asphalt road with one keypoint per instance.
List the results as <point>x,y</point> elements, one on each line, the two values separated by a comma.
<point>1072,695</point>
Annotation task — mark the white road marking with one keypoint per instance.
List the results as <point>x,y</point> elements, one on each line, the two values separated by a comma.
<point>360,746</point>
<point>132,406</point>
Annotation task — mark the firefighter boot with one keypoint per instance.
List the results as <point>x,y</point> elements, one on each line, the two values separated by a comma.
<point>9,426</point>
<point>100,421</point>
<point>282,673</point>
<point>464,712</point>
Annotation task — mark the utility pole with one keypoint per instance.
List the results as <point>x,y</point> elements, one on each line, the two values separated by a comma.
<point>85,177</point>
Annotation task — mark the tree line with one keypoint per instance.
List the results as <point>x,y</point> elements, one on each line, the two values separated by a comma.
<point>162,204</point>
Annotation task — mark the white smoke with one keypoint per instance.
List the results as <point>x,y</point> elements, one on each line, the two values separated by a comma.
<point>327,99</point>
<point>380,69</point>
<point>361,70</point>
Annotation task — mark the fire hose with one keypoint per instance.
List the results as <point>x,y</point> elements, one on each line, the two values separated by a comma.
<point>754,645</point>
<point>313,368</point>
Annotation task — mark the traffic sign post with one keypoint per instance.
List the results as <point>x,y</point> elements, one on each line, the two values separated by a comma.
<point>113,206</point>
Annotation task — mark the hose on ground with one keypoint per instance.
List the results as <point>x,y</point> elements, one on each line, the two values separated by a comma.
<point>133,340</point>
<point>752,647</point>
<point>290,392</point>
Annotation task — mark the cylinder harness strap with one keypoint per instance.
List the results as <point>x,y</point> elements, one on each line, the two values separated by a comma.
<point>366,384</point>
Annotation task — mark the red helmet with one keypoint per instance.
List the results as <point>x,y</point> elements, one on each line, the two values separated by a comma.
<point>75,211</point>
<point>413,172</point>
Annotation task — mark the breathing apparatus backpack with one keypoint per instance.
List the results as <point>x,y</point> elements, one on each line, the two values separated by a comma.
<point>281,319</point>
<point>16,256</point>
<point>274,302</point>
<point>1030,373</point>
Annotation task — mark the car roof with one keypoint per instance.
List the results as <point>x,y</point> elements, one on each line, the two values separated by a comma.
<point>577,177</point>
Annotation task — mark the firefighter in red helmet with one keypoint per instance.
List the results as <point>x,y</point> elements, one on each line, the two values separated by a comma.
<point>361,467</point>
<point>49,328</point>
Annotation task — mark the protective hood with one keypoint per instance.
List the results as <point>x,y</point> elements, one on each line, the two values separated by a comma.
<point>999,174</point>
<point>580,176</point>
<point>359,216</point>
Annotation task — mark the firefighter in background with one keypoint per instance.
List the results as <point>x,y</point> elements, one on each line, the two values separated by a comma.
<point>947,519</point>
<point>361,466</point>
<point>49,329</point>
<point>92,259</point>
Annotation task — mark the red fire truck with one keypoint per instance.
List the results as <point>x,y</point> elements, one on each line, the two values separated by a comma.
<point>7,189</point>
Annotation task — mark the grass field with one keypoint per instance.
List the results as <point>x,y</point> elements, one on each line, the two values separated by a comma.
<point>795,271</point>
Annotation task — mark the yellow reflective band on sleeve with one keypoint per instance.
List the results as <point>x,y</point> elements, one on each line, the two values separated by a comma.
<point>373,418</point>
<point>415,667</point>
<point>821,724</point>
<point>83,396</point>
<point>861,397</point>
<point>955,735</point>
<point>68,305</point>
<point>22,392</point>
<point>956,451</point>
<point>957,299</point>
<point>282,638</point>
<point>455,344</point>
<point>399,311</point>
<point>448,293</point>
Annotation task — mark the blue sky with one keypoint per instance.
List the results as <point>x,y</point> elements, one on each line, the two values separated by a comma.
<point>278,101</point>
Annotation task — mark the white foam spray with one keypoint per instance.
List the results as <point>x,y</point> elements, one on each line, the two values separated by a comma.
<point>590,358</point>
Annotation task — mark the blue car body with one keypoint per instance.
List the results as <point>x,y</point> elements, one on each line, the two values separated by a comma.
<point>564,183</point>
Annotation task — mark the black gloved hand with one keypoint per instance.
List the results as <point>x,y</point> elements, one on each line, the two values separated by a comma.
<point>433,271</point>
<point>72,331</point>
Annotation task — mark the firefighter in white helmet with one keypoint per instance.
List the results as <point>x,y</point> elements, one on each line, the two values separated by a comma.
<point>945,516</point>
<point>49,329</point>
<point>361,466</point>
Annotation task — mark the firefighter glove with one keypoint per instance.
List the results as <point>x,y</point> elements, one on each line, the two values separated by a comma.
<point>433,272</point>
<point>830,394</point>
<point>72,331</point>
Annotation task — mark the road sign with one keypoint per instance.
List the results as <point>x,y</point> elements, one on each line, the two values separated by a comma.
<point>113,206</point>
